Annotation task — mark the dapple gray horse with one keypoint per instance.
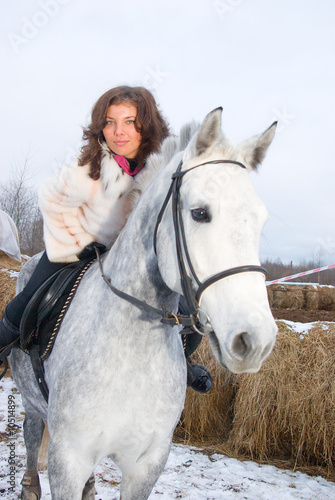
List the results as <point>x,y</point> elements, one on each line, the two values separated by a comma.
<point>117,374</point>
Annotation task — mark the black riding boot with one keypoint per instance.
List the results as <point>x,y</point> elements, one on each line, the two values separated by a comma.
<point>8,331</point>
<point>9,335</point>
<point>199,378</point>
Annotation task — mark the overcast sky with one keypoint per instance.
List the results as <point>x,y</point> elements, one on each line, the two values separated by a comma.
<point>261,60</point>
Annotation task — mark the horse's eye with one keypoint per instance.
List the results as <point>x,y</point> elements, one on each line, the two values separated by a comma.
<point>200,215</point>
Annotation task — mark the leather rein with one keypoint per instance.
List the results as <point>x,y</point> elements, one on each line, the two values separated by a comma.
<point>194,317</point>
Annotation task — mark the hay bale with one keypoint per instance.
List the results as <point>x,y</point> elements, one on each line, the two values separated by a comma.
<point>9,263</point>
<point>294,297</point>
<point>287,409</point>
<point>327,298</point>
<point>276,296</point>
<point>269,290</point>
<point>311,297</point>
<point>286,297</point>
<point>278,299</point>
<point>208,416</point>
<point>7,282</point>
<point>7,290</point>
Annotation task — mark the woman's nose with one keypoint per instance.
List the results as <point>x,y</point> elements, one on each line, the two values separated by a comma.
<point>119,129</point>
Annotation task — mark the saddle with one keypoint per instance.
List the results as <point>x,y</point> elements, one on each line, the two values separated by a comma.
<point>44,314</point>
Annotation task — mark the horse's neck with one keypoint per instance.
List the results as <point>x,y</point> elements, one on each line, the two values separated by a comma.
<point>132,264</point>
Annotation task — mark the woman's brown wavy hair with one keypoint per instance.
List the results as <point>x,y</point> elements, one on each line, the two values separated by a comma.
<point>149,123</point>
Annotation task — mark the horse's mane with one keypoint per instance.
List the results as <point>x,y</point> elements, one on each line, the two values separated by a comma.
<point>157,161</point>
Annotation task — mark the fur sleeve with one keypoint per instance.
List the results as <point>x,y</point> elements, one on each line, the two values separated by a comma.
<point>61,199</point>
<point>78,210</point>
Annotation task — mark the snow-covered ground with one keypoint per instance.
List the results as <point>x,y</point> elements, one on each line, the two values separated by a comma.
<point>189,474</point>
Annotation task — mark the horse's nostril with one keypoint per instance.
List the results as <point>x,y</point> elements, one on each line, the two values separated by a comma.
<point>241,345</point>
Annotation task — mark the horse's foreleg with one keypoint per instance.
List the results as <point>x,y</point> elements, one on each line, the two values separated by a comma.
<point>138,483</point>
<point>33,428</point>
<point>68,471</point>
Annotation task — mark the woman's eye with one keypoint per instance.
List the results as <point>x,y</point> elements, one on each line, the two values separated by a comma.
<point>200,215</point>
<point>131,122</point>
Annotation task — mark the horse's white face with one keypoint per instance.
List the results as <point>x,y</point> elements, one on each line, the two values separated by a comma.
<point>223,220</point>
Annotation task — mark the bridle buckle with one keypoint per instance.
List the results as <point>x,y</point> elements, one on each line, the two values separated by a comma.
<point>203,326</point>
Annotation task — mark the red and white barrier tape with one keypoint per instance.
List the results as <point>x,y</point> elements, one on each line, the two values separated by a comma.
<point>287,278</point>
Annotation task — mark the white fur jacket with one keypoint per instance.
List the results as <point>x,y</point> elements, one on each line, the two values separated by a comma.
<point>78,210</point>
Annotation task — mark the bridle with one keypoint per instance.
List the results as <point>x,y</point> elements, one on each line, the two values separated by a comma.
<point>192,315</point>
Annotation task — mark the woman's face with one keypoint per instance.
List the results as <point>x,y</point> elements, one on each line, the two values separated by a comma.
<point>120,132</point>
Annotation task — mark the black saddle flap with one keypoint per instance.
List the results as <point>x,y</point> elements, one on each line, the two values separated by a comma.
<point>43,309</point>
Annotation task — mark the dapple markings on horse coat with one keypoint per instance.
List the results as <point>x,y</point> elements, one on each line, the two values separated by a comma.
<point>117,375</point>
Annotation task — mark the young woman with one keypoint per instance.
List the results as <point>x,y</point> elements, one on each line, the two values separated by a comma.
<point>88,201</point>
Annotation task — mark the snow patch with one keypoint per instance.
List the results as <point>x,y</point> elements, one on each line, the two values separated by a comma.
<point>189,474</point>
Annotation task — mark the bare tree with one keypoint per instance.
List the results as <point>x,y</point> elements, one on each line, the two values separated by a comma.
<point>19,199</point>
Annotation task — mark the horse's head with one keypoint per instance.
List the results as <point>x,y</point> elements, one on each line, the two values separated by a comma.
<point>220,218</point>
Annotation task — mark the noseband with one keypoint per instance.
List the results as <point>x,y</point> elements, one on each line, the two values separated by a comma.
<point>194,317</point>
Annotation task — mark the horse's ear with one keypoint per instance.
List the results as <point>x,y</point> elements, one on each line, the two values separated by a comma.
<point>253,150</point>
<point>209,131</point>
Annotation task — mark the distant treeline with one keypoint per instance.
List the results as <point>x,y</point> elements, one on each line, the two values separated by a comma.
<point>276,269</point>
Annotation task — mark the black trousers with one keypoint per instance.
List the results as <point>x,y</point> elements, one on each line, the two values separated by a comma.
<point>43,270</point>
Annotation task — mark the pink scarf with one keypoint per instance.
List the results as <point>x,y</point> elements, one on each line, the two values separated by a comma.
<point>124,164</point>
